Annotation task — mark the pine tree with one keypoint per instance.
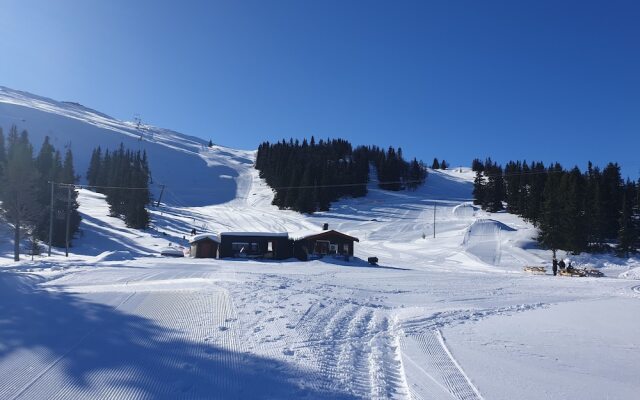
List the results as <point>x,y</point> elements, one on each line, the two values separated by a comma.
<point>68,176</point>
<point>479,188</point>
<point>93,173</point>
<point>19,183</point>
<point>611,200</point>
<point>210,143</point>
<point>573,223</point>
<point>47,171</point>
<point>305,202</point>
<point>435,164</point>
<point>444,165</point>
<point>627,234</point>
<point>477,165</point>
<point>551,235</point>
<point>593,203</point>
<point>3,154</point>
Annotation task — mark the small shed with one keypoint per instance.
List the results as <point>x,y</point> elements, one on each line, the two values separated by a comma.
<point>205,245</point>
<point>319,244</point>
<point>275,245</point>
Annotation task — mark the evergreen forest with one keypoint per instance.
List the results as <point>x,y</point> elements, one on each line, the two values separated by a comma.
<point>26,191</point>
<point>123,176</point>
<point>576,211</point>
<point>307,176</point>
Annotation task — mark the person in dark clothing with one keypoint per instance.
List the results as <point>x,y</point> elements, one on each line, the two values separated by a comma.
<point>193,231</point>
<point>561,264</point>
<point>570,267</point>
<point>555,266</point>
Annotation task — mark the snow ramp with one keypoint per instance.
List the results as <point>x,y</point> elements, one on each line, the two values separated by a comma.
<point>482,239</point>
<point>465,210</point>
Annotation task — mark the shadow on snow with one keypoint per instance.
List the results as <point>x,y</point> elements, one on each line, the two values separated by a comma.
<point>73,347</point>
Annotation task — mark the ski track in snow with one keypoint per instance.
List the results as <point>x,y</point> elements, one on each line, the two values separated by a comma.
<point>434,360</point>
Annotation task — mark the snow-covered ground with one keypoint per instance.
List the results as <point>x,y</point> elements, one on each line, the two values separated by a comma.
<point>450,317</point>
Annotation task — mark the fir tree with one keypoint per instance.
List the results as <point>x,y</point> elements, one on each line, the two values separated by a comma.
<point>435,164</point>
<point>477,165</point>
<point>551,235</point>
<point>93,173</point>
<point>627,234</point>
<point>3,154</point>
<point>48,172</point>
<point>479,188</point>
<point>19,184</point>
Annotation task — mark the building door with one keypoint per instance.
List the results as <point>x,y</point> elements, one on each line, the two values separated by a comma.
<point>321,247</point>
<point>205,249</point>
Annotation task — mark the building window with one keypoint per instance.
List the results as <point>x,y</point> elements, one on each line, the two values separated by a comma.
<point>240,247</point>
<point>270,246</point>
<point>345,248</point>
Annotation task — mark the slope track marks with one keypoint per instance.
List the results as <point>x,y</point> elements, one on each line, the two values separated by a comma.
<point>356,350</point>
<point>431,358</point>
<point>206,320</point>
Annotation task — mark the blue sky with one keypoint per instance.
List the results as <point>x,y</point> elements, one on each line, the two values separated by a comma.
<point>543,80</point>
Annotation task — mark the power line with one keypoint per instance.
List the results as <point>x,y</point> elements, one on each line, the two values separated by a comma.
<point>339,185</point>
<point>102,187</point>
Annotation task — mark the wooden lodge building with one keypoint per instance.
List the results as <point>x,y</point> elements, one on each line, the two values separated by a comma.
<point>275,246</point>
<point>305,246</point>
<point>310,245</point>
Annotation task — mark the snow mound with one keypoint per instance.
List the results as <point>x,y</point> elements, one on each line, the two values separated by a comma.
<point>482,240</point>
<point>485,227</point>
<point>633,273</point>
<point>465,210</point>
<point>120,255</point>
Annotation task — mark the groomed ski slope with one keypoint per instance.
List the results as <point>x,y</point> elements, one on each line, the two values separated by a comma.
<point>450,317</point>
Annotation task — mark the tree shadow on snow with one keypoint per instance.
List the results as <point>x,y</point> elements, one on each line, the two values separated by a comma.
<point>58,344</point>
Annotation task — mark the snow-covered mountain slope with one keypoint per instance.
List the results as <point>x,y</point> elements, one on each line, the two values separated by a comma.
<point>175,159</point>
<point>445,317</point>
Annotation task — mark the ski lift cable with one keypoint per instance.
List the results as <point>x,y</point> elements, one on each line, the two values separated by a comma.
<point>101,187</point>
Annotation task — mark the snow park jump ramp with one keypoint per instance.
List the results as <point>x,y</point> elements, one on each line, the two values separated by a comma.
<point>482,240</point>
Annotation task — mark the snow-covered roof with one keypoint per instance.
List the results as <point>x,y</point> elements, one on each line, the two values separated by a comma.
<point>212,236</point>
<point>304,233</point>
<point>299,235</point>
<point>270,234</point>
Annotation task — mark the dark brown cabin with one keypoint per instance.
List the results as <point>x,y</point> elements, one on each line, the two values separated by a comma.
<point>255,245</point>
<point>205,246</point>
<point>320,244</point>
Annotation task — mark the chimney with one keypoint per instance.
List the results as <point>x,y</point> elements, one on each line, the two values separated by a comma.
<point>325,227</point>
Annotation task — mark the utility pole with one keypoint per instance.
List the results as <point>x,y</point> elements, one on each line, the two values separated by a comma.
<point>435,205</point>
<point>160,198</point>
<point>68,215</point>
<point>51,219</point>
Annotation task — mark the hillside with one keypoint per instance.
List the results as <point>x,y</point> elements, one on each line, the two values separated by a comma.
<point>83,129</point>
<point>446,317</point>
